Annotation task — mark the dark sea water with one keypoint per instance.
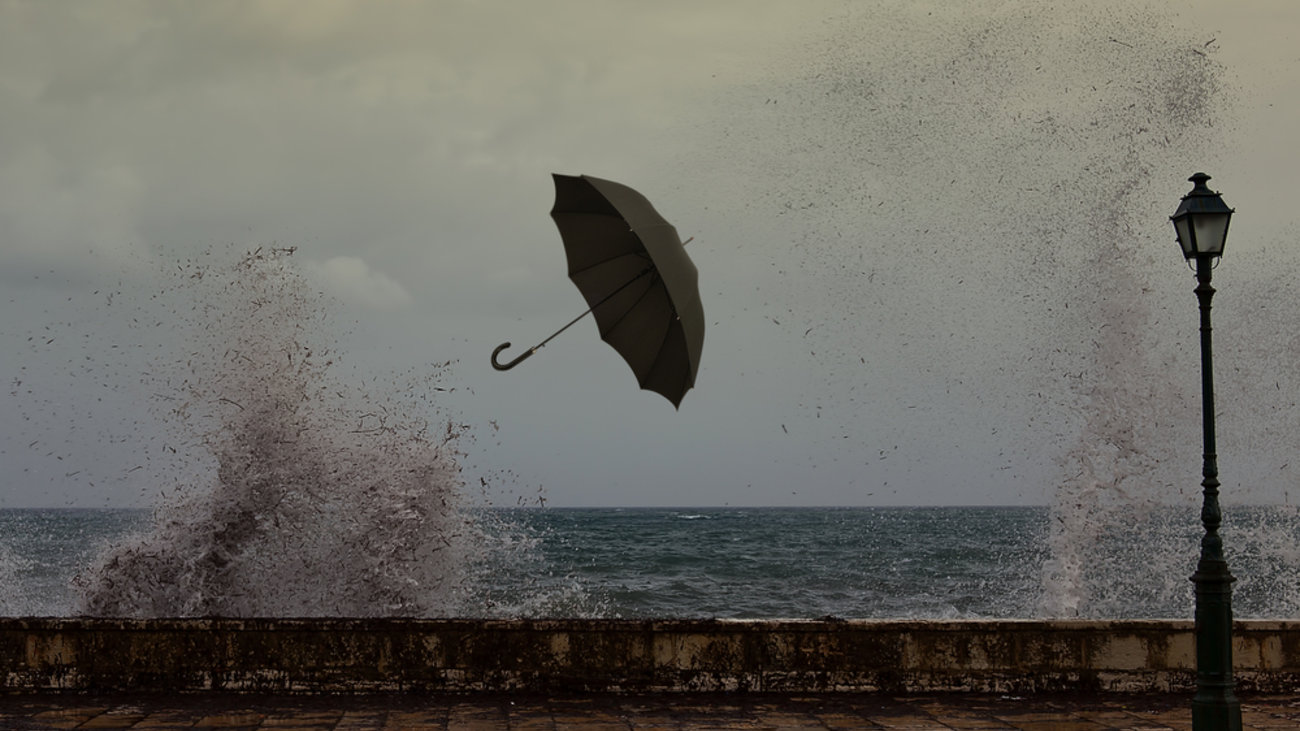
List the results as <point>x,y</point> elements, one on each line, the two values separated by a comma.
<point>41,550</point>
<point>783,562</point>
<point>949,562</point>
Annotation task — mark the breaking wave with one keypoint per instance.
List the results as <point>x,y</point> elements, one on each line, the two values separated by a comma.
<point>309,496</point>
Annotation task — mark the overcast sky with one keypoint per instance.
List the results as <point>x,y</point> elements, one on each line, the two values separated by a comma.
<point>918,228</point>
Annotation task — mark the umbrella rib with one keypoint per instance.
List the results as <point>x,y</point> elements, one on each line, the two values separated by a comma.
<point>644,255</point>
<point>628,310</point>
<point>659,361</point>
<point>571,323</point>
<point>602,301</point>
<point>641,252</point>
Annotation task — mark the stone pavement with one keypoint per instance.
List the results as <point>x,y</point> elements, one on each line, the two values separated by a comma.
<point>1063,712</point>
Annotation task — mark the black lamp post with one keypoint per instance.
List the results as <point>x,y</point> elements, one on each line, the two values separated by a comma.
<point>1201,223</point>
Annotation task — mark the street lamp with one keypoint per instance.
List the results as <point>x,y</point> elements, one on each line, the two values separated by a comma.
<point>1201,223</point>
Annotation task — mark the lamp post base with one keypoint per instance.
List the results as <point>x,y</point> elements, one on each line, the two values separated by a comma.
<point>1224,714</point>
<point>1215,707</point>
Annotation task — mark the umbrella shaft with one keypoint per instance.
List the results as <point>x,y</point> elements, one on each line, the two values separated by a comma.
<point>603,300</point>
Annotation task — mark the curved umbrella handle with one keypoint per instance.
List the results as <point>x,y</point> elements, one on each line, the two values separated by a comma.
<point>535,348</point>
<point>513,363</point>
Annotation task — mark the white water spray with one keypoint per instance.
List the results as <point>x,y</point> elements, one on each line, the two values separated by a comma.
<point>981,196</point>
<point>314,497</point>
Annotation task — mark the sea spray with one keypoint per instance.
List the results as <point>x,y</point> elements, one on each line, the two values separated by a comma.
<point>1111,474</point>
<point>980,194</point>
<point>297,492</point>
<point>11,567</point>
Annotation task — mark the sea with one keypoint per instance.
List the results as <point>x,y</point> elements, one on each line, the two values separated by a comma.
<point>886,562</point>
<point>291,485</point>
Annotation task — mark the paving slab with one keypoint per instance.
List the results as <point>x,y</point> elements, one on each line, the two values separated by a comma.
<point>632,712</point>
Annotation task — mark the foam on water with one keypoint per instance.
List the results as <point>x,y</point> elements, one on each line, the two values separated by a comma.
<point>295,491</point>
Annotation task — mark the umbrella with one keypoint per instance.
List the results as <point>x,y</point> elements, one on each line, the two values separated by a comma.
<point>632,268</point>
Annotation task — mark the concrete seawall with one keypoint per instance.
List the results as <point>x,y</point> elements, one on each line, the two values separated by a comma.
<point>355,655</point>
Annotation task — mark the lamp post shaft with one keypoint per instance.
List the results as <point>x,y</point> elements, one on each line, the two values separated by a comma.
<point>1215,705</point>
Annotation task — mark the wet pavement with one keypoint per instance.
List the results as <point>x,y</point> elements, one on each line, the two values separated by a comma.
<point>1063,712</point>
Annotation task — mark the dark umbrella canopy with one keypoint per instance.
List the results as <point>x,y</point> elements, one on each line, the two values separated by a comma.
<point>631,267</point>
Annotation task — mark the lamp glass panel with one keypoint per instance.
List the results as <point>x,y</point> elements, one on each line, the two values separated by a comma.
<point>1211,231</point>
<point>1182,226</point>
